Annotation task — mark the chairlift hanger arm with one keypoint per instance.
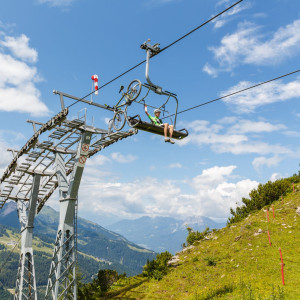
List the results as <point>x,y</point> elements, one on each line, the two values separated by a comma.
<point>151,51</point>
<point>61,94</point>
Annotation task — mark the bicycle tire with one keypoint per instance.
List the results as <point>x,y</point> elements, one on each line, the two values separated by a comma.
<point>134,89</point>
<point>119,120</point>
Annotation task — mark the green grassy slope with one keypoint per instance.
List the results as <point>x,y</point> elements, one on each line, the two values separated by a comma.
<point>236,262</point>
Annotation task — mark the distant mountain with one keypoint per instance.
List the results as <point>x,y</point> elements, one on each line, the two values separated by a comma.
<point>161,233</point>
<point>97,246</point>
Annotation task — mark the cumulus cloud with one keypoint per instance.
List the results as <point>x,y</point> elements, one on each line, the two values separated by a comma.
<point>246,126</point>
<point>18,91</point>
<point>123,159</point>
<point>261,161</point>
<point>19,46</point>
<point>248,46</point>
<point>235,138</point>
<point>213,193</point>
<point>275,176</point>
<point>98,160</point>
<point>272,92</point>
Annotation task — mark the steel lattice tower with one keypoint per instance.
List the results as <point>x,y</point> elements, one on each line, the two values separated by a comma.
<point>44,163</point>
<point>26,282</point>
<point>62,277</point>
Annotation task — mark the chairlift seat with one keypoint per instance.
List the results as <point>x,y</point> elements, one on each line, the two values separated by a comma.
<point>149,127</point>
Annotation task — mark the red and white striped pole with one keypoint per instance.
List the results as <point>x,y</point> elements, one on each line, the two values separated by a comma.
<point>95,80</point>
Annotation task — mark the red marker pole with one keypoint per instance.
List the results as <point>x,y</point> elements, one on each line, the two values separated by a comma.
<point>293,187</point>
<point>282,265</point>
<point>269,238</point>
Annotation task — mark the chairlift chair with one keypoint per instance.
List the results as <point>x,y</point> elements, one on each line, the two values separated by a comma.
<point>136,121</point>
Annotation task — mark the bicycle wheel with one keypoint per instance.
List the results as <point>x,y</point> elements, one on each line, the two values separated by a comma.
<point>119,120</point>
<point>134,89</point>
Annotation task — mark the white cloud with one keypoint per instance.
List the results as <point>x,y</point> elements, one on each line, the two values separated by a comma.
<point>233,139</point>
<point>175,165</point>
<point>275,176</point>
<point>214,193</point>
<point>246,126</point>
<point>223,19</point>
<point>20,48</point>
<point>212,177</point>
<point>291,133</point>
<point>259,162</point>
<point>6,157</point>
<point>17,79</point>
<point>248,46</point>
<point>272,92</point>
<point>98,160</point>
<point>123,159</point>
<point>228,120</point>
<point>221,2</point>
<point>210,70</point>
<point>12,136</point>
<point>56,3</point>
<point>251,147</point>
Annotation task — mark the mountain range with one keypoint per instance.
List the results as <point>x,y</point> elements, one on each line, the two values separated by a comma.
<point>97,247</point>
<point>161,233</point>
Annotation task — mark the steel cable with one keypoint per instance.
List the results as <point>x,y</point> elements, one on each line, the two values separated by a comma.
<point>163,49</point>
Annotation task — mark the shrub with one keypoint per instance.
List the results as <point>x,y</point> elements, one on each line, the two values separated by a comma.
<point>265,194</point>
<point>100,285</point>
<point>194,236</point>
<point>211,261</point>
<point>158,267</point>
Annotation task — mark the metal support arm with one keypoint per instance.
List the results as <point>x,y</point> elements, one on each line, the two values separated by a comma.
<point>151,51</point>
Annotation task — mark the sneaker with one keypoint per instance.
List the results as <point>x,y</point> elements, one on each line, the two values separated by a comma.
<point>167,140</point>
<point>171,141</point>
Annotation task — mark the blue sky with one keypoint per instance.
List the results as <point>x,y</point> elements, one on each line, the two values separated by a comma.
<point>233,144</point>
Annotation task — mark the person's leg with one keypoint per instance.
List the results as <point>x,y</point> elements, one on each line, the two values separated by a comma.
<point>171,129</point>
<point>166,125</point>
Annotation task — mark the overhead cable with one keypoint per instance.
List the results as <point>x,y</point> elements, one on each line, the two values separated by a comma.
<point>163,49</point>
<point>234,93</point>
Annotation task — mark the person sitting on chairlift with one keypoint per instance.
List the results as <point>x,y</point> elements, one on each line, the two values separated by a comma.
<point>158,122</point>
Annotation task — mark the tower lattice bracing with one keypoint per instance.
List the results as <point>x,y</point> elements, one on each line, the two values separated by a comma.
<point>26,281</point>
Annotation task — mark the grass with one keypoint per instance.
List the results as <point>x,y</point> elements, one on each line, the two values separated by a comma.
<point>235,263</point>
